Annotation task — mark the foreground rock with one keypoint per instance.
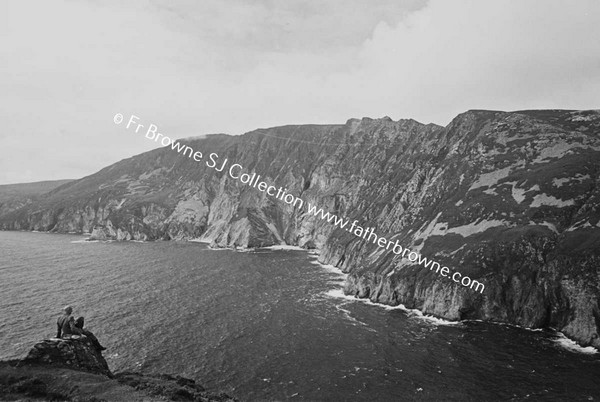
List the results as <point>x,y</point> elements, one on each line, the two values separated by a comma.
<point>77,353</point>
<point>72,370</point>
<point>509,199</point>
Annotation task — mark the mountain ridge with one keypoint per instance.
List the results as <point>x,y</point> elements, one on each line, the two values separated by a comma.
<point>15,196</point>
<point>511,199</point>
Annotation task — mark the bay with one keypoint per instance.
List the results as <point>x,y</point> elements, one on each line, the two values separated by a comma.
<point>268,325</point>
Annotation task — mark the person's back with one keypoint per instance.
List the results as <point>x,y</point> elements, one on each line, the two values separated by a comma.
<point>63,323</point>
<point>67,326</point>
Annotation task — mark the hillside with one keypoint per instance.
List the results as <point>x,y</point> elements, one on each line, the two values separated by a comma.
<point>510,199</point>
<point>15,196</point>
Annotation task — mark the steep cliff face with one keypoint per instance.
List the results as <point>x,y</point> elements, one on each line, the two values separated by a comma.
<point>509,199</point>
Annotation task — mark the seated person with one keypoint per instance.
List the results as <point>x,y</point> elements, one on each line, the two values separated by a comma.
<point>78,324</point>
<point>64,326</point>
<point>67,326</point>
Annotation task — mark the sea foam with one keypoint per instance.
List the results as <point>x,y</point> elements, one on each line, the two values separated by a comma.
<point>412,313</point>
<point>566,343</point>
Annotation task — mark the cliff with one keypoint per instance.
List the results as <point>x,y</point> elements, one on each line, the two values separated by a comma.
<point>510,199</point>
<point>72,370</point>
<point>77,353</point>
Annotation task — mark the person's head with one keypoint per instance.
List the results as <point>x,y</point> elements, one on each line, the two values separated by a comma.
<point>68,310</point>
<point>79,322</point>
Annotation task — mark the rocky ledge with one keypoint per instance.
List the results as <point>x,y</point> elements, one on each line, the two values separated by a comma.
<point>72,370</point>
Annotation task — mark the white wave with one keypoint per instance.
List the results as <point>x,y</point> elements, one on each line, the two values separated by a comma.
<point>244,250</point>
<point>349,317</point>
<point>561,340</point>
<point>236,249</point>
<point>85,241</point>
<point>251,249</point>
<point>506,324</point>
<point>571,345</point>
<point>331,269</point>
<point>432,319</point>
<point>200,240</point>
<point>284,247</point>
<point>412,313</point>
<point>339,294</point>
<point>415,313</point>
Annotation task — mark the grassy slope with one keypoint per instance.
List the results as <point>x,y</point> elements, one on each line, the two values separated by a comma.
<point>10,192</point>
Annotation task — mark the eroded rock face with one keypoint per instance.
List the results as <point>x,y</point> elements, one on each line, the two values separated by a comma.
<point>77,353</point>
<point>511,200</point>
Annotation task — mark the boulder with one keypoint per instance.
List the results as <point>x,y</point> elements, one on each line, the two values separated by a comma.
<point>77,353</point>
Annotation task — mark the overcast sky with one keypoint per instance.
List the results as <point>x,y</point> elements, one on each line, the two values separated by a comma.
<point>230,66</point>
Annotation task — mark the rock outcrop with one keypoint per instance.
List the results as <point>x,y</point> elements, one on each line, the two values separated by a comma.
<point>511,200</point>
<point>72,370</point>
<point>77,353</point>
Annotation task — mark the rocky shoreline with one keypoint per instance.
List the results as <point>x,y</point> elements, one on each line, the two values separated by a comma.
<point>73,370</point>
<point>511,199</point>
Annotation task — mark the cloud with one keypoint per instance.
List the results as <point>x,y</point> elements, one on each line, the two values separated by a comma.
<point>232,66</point>
<point>452,56</point>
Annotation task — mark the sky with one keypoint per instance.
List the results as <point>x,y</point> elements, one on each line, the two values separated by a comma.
<point>231,66</point>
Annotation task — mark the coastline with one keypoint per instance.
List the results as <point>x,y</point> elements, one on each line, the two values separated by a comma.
<point>561,340</point>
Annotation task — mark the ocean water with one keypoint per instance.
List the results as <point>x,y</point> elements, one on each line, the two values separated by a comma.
<point>269,325</point>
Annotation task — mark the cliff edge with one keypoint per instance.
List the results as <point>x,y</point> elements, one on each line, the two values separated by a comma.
<point>73,370</point>
<point>509,199</point>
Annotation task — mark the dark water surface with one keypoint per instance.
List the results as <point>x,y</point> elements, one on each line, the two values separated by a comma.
<point>268,325</point>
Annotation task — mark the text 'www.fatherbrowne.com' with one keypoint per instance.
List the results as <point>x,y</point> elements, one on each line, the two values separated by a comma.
<point>236,171</point>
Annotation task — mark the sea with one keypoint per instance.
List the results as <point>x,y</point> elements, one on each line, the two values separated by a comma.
<point>270,324</point>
